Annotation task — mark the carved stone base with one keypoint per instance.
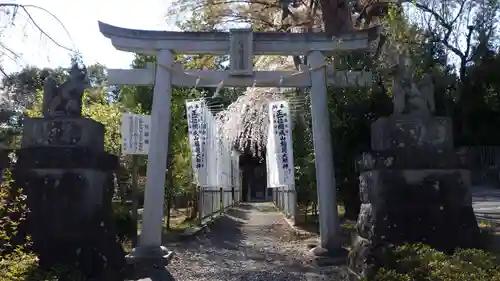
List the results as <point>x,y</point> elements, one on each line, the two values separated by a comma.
<point>60,132</point>
<point>429,187</point>
<point>412,206</point>
<point>325,257</point>
<point>444,228</point>
<point>416,158</point>
<point>92,250</point>
<point>147,273</point>
<point>70,220</point>
<point>155,257</point>
<point>408,132</point>
<point>362,258</point>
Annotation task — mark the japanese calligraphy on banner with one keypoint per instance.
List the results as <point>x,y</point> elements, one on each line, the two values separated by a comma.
<point>271,161</point>
<point>211,152</point>
<point>280,149</point>
<point>197,130</point>
<point>135,131</point>
<point>224,163</point>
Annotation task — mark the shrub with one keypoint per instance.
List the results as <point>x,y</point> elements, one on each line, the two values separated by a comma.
<point>20,266</point>
<point>12,212</point>
<point>414,262</point>
<point>17,266</point>
<point>125,226</point>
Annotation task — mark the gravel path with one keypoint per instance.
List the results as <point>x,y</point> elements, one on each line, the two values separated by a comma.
<point>252,243</point>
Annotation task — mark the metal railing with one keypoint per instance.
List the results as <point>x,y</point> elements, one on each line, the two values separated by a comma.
<point>486,161</point>
<point>214,201</point>
<point>286,201</point>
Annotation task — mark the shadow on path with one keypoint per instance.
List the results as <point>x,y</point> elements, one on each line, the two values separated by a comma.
<point>238,214</point>
<point>224,234</point>
<point>246,206</point>
<point>161,274</point>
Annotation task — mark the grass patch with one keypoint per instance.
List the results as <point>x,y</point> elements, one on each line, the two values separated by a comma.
<point>483,224</point>
<point>341,211</point>
<point>178,223</point>
<point>490,237</point>
<point>310,227</point>
<point>127,246</point>
<point>185,224</point>
<point>349,225</point>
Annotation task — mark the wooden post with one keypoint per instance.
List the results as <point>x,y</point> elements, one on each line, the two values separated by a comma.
<point>232,196</point>
<point>169,189</point>
<point>201,196</point>
<point>213,197</point>
<point>135,193</point>
<point>170,181</point>
<point>221,204</point>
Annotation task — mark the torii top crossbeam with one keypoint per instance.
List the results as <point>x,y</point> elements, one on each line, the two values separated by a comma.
<point>217,43</point>
<point>241,45</point>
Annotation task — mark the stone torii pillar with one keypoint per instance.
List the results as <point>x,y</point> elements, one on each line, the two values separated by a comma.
<point>242,45</point>
<point>150,239</point>
<point>323,153</point>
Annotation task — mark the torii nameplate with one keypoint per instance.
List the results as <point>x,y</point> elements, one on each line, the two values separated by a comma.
<point>241,52</point>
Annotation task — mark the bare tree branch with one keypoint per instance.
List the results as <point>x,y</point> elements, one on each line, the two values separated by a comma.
<point>25,9</point>
<point>34,23</point>
<point>3,72</point>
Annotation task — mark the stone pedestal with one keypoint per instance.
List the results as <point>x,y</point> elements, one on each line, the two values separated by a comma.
<point>413,188</point>
<point>67,176</point>
<point>407,131</point>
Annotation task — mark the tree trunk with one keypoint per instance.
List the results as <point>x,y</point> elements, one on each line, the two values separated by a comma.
<point>193,206</point>
<point>169,180</point>
<point>337,17</point>
<point>168,200</point>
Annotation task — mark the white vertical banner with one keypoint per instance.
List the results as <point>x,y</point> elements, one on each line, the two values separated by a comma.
<point>227,168</point>
<point>223,173</point>
<point>281,163</point>
<point>197,130</point>
<point>211,151</point>
<point>219,161</point>
<point>235,163</point>
<point>271,160</point>
<point>135,131</point>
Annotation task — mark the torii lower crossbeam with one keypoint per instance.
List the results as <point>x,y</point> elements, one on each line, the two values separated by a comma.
<point>213,78</point>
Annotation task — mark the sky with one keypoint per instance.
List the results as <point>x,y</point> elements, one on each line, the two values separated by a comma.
<point>80,19</point>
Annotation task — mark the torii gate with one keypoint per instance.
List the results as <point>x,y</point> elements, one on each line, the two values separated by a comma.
<point>241,45</point>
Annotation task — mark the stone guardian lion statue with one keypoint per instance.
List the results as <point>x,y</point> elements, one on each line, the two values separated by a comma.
<point>66,99</point>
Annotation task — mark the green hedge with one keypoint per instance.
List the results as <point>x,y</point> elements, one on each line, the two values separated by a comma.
<point>416,262</point>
